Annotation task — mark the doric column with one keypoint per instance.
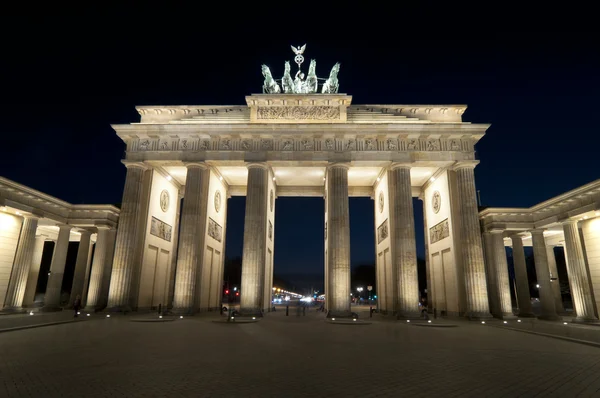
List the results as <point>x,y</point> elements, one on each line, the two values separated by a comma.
<point>21,265</point>
<point>338,241</point>
<point>99,265</point>
<point>500,269</point>
<point>404,245</point>
<point>86,279</point>
<point>554,281</point>
<point>80,265</point>
<point>523,294</point>
<point>34,271</point>
<point>191,239</point>
<point>472,252</point>
<point>430,292</point>
<point>255,240</point>
<point>490,275</point>
<point>540,257</point>
<point>57,270</point>
<point>127,238</point>
<point>578,276</point>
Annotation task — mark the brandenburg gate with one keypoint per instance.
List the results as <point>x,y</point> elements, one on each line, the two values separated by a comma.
<point>299,137</point>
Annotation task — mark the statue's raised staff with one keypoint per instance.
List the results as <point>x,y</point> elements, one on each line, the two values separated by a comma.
<point>332,84</point>
<point>270,86</point>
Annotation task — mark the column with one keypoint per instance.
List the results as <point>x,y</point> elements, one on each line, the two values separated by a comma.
<point>338,241</point>
<point>20,269</point>
<point>99,265</point>
<point>490,275</point>
<point>430,292</point>
<point>554,281</point>
<point>80,265</point>
<point>57,270</point>
<point>127,238</point>
<point>523,294</point>
<point>191,239</point>
<point>500,269</point>
<point>404,245</point>
<point>472,252</point>
<point>34,271</point>
<point>255,240</point>
<point>578,276</point>
<point>86,279</point>
<point>540,257</point>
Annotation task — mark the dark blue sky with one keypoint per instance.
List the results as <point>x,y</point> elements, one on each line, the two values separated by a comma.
<point>68,79</point>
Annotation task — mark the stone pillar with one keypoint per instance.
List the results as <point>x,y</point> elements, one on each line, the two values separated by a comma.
<point>523,294</point>
<point>80,265</point>
<point>472,252</point>
<point>57,270</point>
<point>99,265</point>
<point>404,245</point>
<point>34,271</point>
<point>500,269</point>
<point>430,292</point>
<point>191,239</point>
<point>554,281</point>
<point>127,239</point>
<point>540,257</point>
<point>490,276</point>
<point>86,279</point>
<point>338,241</point>
<point>583,302</point>
<point>255,240</point>
<point>21,265</point>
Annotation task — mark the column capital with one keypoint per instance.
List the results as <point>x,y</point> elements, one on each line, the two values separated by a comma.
<point>65,227</point>
<point>200,165</point>
<point>85,232</point>
<point>467,164</point>
<point>138,165</point>
<point>496,231</point>
<point>538,231</point>
<point>399,165</point>
<point>338,164</point>
<point>570,221</point>
<point>260,165</point>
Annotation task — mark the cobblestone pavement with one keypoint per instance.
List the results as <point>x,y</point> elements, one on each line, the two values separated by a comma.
<point>293,356</point>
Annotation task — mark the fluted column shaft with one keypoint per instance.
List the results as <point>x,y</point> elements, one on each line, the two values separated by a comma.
<point>500,268</point>
<point>472,252</point>
<point>490,275</point>
<point>99,264</point>
<point>255,240</point>
<point>554,281</point>
<point>86,279</point>
<point>578,276</point>
<point>404,249</point>
<point>20,269</point>
<point>57,269</point>
<point>80,265</point>
<point>191,239</point>
<point>126,243</point>
<point>540,257</point>
<point>524,296</point>
<point>338,240</point>
<point>34,271</point>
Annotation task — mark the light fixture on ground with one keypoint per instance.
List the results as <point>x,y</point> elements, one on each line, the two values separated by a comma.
<point>408,320</point>
<point>482,321</point>
<point>87,314</point>
<point>30,312</point>
<point>78,313</point>
<point>180,316</point>
<point>518,320</point>
<point>160,317</point>
<point>565,323</point>
<point>429,321</point>
<point>108,315</point>
<point>505,322</point>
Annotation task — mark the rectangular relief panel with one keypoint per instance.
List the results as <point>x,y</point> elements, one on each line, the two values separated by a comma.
<point>382,231</point>
<point>161,229</point>
<point>215,231</point>
<point>439,231</point>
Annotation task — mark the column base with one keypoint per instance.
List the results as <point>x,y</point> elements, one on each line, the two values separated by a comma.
<point>51,308</point>
<point>478,316</point>
<point>526,315</point>
<point>549,318</point>
<point>249,312</point>
<point>341,314</point>
<point>13,310</point>
<point>587,321</point>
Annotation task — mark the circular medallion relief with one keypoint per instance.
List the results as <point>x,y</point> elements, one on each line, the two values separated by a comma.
<point>271,200</point>
<point>436,201</point>
<point>381,203</point>
<point>164,200</point>
<point>218,201</point>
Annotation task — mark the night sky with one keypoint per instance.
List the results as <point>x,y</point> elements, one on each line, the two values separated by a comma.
<point>65,82</point>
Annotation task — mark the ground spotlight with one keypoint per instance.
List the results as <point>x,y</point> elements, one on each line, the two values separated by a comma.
<point>108,315</point>
<point>505,322</point>
<point>30,312</point>
<point>518,320</point>
<point>482,321</point>
<point>180,316</point>
<point>429,321</point>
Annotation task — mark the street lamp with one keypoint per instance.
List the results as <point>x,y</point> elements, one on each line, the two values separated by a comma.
<point>359,290</point>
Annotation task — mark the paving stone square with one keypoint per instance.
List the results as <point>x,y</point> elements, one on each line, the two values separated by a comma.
<point>294,356</point>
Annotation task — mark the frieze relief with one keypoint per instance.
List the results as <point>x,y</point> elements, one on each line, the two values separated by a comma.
<point>439,231</point>
<point>382,231</point>
<point>215,231</point>
<point>298,112</point>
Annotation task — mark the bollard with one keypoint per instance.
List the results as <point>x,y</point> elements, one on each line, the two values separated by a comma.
<point>287,310</point>
<point>304,311</point>
<point>159,309</point>
<point>371,312</point>
<point>435,313</point>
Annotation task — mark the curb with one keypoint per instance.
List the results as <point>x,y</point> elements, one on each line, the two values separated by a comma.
<point>37,325</point>
<point>554,336</point>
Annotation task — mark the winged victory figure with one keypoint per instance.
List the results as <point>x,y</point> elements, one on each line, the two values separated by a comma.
<point>299,51</point>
